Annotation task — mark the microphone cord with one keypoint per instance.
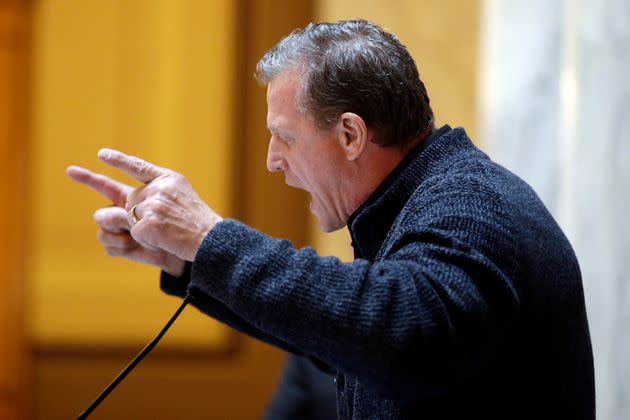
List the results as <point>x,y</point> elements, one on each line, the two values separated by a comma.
<point>135,361</point>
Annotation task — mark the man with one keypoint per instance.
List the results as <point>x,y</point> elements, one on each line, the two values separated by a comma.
<point>465,299</point>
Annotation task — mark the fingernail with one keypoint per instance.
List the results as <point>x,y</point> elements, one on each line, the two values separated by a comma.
<point>98,216</point>
<point>104,154</point>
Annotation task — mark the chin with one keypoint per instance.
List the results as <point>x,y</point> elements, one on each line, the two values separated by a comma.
<point>329,226</point>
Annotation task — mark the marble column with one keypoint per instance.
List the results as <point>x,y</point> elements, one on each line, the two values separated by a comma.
<point>555,109</point>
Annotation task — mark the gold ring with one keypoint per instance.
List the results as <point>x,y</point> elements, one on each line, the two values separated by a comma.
<point>134,216</point>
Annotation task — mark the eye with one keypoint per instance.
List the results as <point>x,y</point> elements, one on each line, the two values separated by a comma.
<point>286,139</point>
<point>282,136</point>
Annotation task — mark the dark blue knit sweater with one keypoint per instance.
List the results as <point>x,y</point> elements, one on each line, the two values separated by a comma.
<point>464,301</point>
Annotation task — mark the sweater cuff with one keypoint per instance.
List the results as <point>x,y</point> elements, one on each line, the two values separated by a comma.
<point>218,251</point>
<point>176,286</point>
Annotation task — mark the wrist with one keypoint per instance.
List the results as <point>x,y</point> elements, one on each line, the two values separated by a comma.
<point>174,265</point>
<point>202,235</point>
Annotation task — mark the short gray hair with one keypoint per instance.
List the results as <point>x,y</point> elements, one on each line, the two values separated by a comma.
<point>353,66</point>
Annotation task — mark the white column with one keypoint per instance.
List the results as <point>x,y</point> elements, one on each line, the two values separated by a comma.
<point>555,109</point>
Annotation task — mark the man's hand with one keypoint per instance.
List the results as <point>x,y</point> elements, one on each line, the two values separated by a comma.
<point>115,226</point>
<point>171,219</point>
<point>170,215</point>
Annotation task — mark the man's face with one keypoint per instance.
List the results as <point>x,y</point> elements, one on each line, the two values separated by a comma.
<point>310,157</point>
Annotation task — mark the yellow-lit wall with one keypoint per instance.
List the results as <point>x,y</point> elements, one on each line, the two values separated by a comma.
<point>442,36</point>
<point>144,77</point>
<point>154,78</point>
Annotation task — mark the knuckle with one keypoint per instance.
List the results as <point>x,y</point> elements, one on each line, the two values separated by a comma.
<point>140,165</point>
<point>175,180</point>
<point>144,231</point>
<point>156,207</point>
<point>182,180</point>
<point>164,184</point>
<point>152,222</point>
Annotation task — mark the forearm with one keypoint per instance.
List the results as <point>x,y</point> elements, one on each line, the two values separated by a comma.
<point>381,321</point>
<point>178,286</point>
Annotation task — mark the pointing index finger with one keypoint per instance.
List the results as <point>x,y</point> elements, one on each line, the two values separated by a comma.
<point>107,187</point>
<point>133,166</point>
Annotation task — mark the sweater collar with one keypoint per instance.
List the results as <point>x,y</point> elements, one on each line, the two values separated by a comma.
<point>371,222</point>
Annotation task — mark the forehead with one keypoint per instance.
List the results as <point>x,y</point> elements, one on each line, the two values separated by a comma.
<point>281,100</point>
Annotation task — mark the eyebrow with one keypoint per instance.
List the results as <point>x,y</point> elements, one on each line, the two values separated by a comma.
<point>279,132</point>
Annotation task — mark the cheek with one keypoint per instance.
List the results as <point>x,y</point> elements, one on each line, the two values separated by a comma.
<point>323,179</point>
<point>315,162</point>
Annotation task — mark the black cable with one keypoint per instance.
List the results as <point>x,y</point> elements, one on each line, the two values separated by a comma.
<point>134,362</point>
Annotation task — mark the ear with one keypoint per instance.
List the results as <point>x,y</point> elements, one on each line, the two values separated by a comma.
<point>352,135</point>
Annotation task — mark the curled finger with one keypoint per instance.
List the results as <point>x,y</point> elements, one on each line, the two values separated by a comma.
<point>112,219</point>
<point>122,240</point>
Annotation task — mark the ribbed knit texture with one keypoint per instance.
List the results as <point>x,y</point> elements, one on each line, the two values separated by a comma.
<point>464,301</point>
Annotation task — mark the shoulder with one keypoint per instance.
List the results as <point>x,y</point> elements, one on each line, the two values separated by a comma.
<point>469,183</point>
<point>472,204</point>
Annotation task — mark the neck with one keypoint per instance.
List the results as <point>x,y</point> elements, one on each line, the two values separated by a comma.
<point>374,165</point>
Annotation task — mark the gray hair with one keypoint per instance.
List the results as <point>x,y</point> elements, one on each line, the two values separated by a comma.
<point>353,66</point>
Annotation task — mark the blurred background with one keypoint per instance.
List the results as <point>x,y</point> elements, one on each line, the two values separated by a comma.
<point>542,86</point>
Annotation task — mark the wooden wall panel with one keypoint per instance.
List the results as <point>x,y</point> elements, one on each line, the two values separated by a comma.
<point>264,200</point>
<point>14,76</point>
<point>144,77</point>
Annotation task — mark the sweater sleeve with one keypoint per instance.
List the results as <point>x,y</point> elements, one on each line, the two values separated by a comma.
<point>421,320</point>
<point>178,286</point>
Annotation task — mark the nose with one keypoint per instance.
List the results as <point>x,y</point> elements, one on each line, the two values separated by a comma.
<point>275,160</point>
